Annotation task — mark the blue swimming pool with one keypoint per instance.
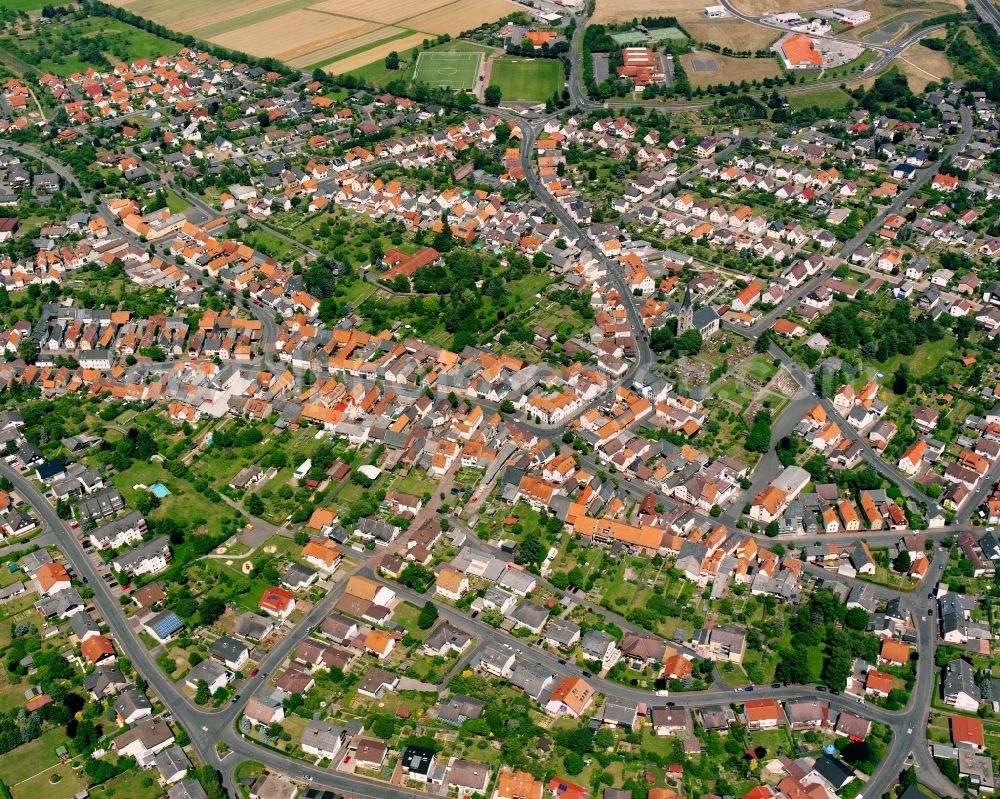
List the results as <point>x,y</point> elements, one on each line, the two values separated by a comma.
<point>159,490</point>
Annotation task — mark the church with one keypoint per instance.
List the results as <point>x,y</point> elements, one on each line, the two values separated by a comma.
<point>705,320</point>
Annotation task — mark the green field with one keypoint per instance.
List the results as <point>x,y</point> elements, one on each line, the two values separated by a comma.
<point>663,34</point>
<point>831,98</point>
<point>452,70</point>
<point>526,79</point>
<point>120,42</point>
<point>176,203</point>
<point>376,73</point>
<point>24,5</point>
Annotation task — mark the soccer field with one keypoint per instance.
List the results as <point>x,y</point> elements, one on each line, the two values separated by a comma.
<point>454,70</point>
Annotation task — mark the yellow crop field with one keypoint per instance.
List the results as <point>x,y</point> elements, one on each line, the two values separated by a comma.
<point>325,54</point>
<point>459,16</point>
<point>306,32</point>
<point>188,16</point>
<point>294,34</point>
<point>387,11</point>
<point>376,53</point>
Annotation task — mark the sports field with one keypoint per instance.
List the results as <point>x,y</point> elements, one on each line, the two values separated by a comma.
<point>527,79</point>
<point>454,70</point>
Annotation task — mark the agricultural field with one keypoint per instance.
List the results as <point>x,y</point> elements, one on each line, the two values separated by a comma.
<point>704,69</point>
<point>526,79</point>
<point>342,36</point>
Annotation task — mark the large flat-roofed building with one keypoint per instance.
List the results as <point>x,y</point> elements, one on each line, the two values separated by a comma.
<point>851,16</point>
<point>642,65</point>
<point>799,52</point>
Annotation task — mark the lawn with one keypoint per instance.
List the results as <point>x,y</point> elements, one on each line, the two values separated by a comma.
<point>24,5</point>
<point>183,504</point>
<point>406,614</point>
<point>69,783</point>
<point>269,244</point>
<point>831,98</point>
<point>176,203</point>
<point>920,363</point>
<point>135,784</point>
<point>28,760</point>
<point>734,391</point>
<point>527,79</point>
<point>450,70</point>
<point>414,483</point>
<point>760,367</point>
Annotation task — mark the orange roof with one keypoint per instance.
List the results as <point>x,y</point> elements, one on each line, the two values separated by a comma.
<point>322,550</point>
<point>573,692</point>
<point>450,580</point>
<point>878,681</point>
<point>276,599</point>
<point>362,587</point>
<point>763,710</point>
<point>378,641</point>
<point>895,651</point>
<point>96,648</point>
<point>518,785</point>
<point>799,49</point>
<point>50,574</point>
<point>967,730</point>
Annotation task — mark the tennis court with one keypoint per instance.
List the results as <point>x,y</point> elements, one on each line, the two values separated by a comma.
<point>454,70</point>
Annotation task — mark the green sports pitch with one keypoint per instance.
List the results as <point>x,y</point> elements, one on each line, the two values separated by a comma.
<point>451,70</point>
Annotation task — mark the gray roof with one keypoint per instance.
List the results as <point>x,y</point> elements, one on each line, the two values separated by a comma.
<point>187,789</point>
<point>529,614</point>
<point>532,678</point>
<point>562,631</point>
<point>958,678</point>
<point>227,648</point>
<point>170,761</point>
<point>446,634</point>
<point>128,702</point>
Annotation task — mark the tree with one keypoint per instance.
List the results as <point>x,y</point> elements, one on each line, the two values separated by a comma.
<point>690,342</point>
<point>392,60</point>
<point>856,619</point>
<point>530,550</point>
<point>27,351</point>
<point>900,380</point>
<point>428,615</point>
<point>211,609</point>
<point>573,763</point>
<point>201,694</point>
<point>492,95</point>
<point>901,563</point>
<point>493,617</point>
<point>506,406</point>
<point>254,505</point>
<point>759,438</point>
<point>662,338</point>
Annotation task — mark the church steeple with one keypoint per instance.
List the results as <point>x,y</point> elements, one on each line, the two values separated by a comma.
<point>685,316</point>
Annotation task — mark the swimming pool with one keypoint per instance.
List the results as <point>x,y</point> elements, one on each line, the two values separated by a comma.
<point>159,490</point>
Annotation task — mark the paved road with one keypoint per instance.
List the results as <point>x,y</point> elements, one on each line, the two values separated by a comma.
<point>920,178</point>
